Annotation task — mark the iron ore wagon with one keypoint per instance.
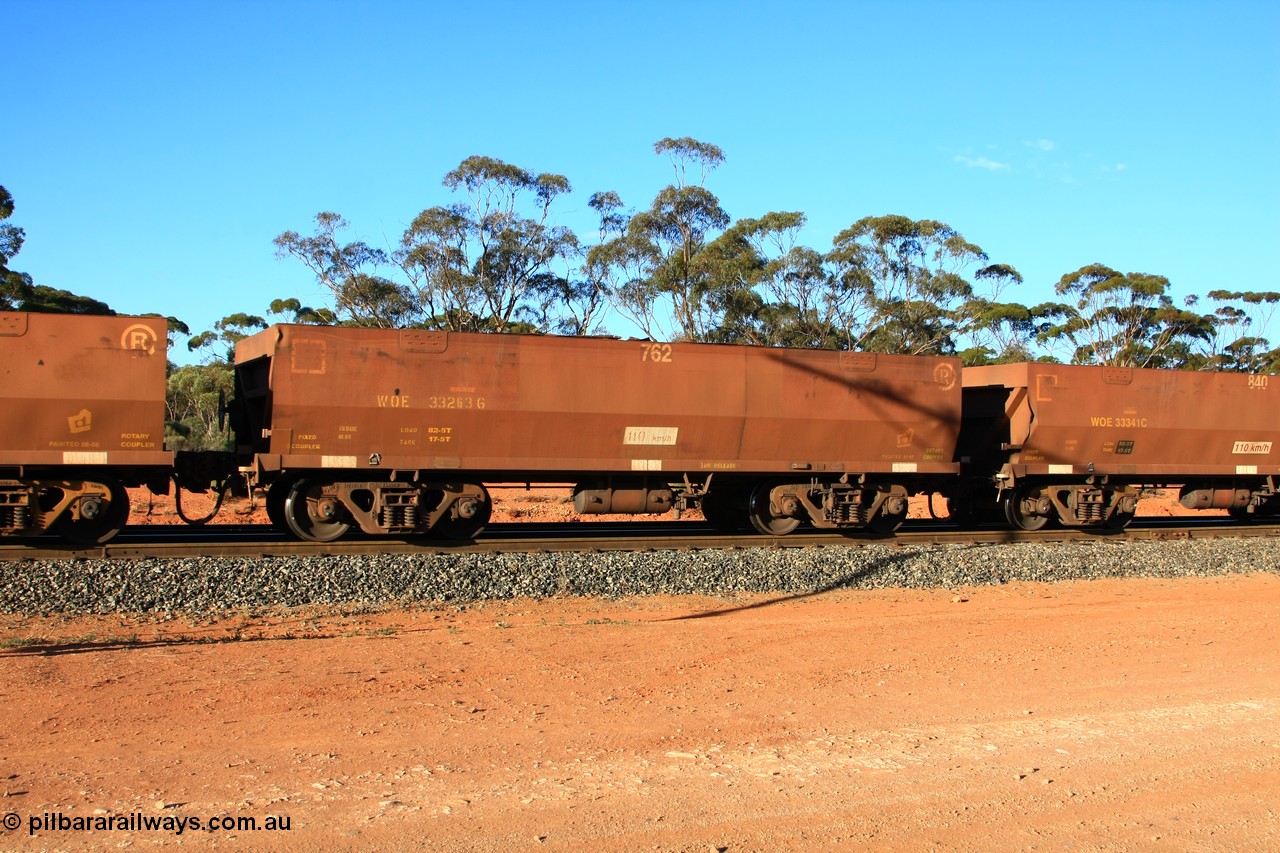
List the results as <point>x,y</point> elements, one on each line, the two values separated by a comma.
<point>1075,444</point>
<point>82,415</point>
<point>398,431</point>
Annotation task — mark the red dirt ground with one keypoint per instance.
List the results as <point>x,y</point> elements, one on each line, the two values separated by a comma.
<point>1105,715</point>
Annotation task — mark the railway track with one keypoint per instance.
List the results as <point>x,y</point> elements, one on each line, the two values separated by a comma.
<point>249,541</point>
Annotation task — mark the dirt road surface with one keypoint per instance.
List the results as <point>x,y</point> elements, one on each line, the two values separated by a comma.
<point>1104,715</point>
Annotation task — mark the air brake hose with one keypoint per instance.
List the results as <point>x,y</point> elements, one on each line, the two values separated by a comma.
<point>222,489</point>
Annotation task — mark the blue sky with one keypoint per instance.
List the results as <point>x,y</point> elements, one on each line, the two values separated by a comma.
<point>155,149</point>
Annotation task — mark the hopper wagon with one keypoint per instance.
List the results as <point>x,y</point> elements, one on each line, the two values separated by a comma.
<point>1076,444</point>
<point>398,431</point>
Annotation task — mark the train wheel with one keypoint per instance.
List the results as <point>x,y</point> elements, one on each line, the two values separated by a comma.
<point>99,521</point>
<point>466,518</point>
<point>887,522</point>
<point>1120,520</point>
<point>277,494</point>
<point>1126,508</point>
<point>313,515</point>
<point>762,515</point>
<point>1015,511</point>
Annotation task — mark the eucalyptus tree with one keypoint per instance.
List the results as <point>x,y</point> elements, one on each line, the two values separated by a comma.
<point>803,307</point>
<point>292,310</point>
<point>195,393</point>
<point>770,290</point>
<point>1122,319</point>
<point>901,284</point>
<point>13,285</point>
<point>997,331</point>
<point>659,276</point>
<point>361,296</point>
<point>193,399</point>
<point>219,343</point>
<point>683,269</point>
<point>489,263</point>
<point>576,299</point>
<point>1240,340</point>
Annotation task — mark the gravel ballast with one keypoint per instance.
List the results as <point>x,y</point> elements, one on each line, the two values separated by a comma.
<point>202,585</point>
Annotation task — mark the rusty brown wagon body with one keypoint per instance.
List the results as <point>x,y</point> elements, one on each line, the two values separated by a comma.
<point>1078,442</point>
<point>399,430</point>
<point>82,413</point>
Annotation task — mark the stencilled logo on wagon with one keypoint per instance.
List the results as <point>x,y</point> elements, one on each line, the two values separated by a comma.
<point>81,421</point>
<point>944,376</point>
<point>139,338</point>
<point>1252,448</point>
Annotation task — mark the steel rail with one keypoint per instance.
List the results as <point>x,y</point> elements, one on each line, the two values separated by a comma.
<point>246,541</point>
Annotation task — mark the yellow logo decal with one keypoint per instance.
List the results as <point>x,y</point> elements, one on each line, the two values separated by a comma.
<point>139,338</point>
<point>81,421</point>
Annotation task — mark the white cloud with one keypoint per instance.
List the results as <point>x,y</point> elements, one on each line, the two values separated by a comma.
<point>982,163</point>
<point>1045,144</point>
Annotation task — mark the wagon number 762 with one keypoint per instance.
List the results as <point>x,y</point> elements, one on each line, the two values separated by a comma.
<point>656,353</point>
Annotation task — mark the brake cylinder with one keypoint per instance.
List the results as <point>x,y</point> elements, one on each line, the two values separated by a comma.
<point>1207,498</point>
<point>635,501</point>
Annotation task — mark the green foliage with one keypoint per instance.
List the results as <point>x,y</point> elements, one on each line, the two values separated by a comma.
<point>226,333</point>
<point>660,254</point>
<point>683,270</point>
<point>349,272</point>
<point>490,263</point>
<point>997,331</point>
<point>51,300</point>
<point>192,400</point>
<point>13,285</point>
<point>1126,320</point>
<point>1241,324</point>
<point>902,286</point>
<point>687,151</point>
<point>293,311</point>
<point>801,308</point>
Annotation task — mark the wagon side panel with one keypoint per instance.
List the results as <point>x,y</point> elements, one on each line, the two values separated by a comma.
<point>1138,423</point>
<point>82,390</point>
<point>427,400</point>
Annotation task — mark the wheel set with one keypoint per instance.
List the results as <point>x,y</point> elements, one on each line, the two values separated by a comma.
<point>324,512</point>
